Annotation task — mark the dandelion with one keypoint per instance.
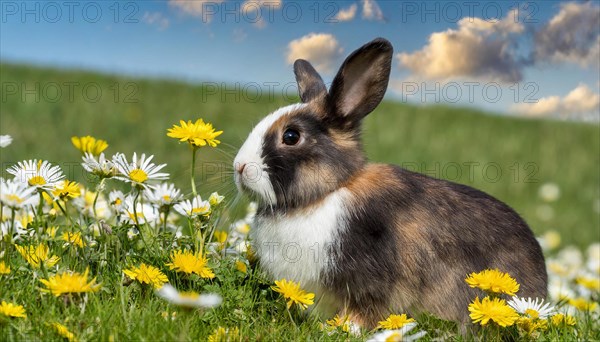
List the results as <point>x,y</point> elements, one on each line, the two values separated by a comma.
<point>198,134</point>
<point>66,190</point>
<point>395,322</point>
<point>224,335</point>
<point>582,304</point>
<point>590,283</point>
<point>399,335</point>
<point>89,144</point>
<point>3,268</point>
<point>493,281</point>
<point>338,322</point>
<point>74,239</point>
<point>101,167</point>
<point>492,310</point>
<point>189,299</point>
<point>293,293</point>
<point>70,282</point>
<point>63,331</point>
<point>147,274</point>
<point>563,320</point>
<point>241,266</point>
<point>37,255</point>
<point>140,172</point>
<point>193,208</point>
<point>221,238</point>
<point>12,310</point>
<point>5,140</point>
<point>37,173</point>
<point>163,195</point>
<point>16,195</point>
<point>530,308</point>
<point>215,199</point>
<point>188,262</point>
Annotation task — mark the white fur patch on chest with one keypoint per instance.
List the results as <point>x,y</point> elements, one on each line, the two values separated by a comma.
<point>296,246</point>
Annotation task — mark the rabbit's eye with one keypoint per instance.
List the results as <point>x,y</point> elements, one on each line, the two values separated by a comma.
<point>291,136</point>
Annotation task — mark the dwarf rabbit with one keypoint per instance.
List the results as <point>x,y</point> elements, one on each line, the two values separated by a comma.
<point>370,239</point>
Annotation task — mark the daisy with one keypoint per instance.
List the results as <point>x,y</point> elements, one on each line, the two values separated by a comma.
<point>16,195</point>
<point>189,299</point>
<point>188,262</point>
<point>37,173</point>
<point>143,213</point>
<point>70,282</point>
<point>5,140</point>
<point>493,281</point>
<point>89,144</point>
<point>140,172</point>
<point>532,309</point>
<point>36,255</point>
<point>101,167</point>
<point>197,134</point>
<point>398,335</point>
<point>495,310</point>
<point>116,200</point>
<point>215,199</point>
<point>163,195</point>
<point>193,208</point>
<point>85,204</point>
<point>293,293</point>
<point>147,274</point>
<point>12,310</point>
<point>395,322</point>
<point>63,331</point>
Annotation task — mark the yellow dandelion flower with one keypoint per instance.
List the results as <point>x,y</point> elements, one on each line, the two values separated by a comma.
<point>3,268</point>
<point>147,274</point>
<point>293,293</point>
<point>563,320</point>
<point>590,283</point>
<point>395,322</point>
<point>241,266</point>
<point>198,134</point>
<point>582,304</point>
<point>532,325</point>
<point>66,190</point>
<point>70,282</point>
<point>338,322</point>
<point>63,331</point>
<point>51,231</point>
<point>224,335</point>
<point>35,255</point>
<point>188,262</point>
<point>493,281</point>
<point>73,239</point>
<point>492,310</point>
<point>12,310</point>
<point>89,144</point>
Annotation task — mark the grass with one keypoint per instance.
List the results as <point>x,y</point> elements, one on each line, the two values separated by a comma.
<point>434,140</point>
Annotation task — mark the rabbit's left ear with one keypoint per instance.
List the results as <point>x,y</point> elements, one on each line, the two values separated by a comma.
<point>310,83</point>
<point>361,82</point>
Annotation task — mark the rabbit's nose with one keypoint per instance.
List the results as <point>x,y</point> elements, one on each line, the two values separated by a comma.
<point>240,167</point>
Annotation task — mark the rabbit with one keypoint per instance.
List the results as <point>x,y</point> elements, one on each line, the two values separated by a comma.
<point>370,239</point>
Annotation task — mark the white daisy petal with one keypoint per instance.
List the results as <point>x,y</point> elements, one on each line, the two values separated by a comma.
<point>37,173</point>
<point>522,305</point>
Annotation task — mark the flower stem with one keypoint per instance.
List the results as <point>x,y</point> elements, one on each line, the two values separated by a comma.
<point>98,190</point>
<point>290,316</point>
<point>194,192</point>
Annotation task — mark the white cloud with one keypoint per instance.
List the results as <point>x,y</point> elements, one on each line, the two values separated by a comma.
<point>371,10</point>
<point>322,50</point>
<point>572,35</point>
<point>157,19</point>
<point>580,101</point>
<point>478,49</point>
<point>198,8</point>
<point>346,14</point>
<point>252,9</point>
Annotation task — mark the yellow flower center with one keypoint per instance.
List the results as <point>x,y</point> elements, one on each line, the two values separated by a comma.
<point>166,198</point>
<point>532,314</point>
<point>37,180</point>
<point>138,176</point>
<point>199,210</point>
<point>118,201</point>
<point>189,295</point>
<point>14,198</point>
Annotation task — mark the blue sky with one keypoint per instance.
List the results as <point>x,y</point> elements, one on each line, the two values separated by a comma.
<point>492,45</point>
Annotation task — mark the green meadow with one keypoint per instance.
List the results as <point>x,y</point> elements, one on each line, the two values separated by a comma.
<point>509,158</point>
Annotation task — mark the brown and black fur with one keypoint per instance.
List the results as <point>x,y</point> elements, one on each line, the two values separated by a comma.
<point>410,240</point>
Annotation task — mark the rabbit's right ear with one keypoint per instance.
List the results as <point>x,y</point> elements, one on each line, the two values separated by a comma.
<point>310,83</point>
<point>361,82</point>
